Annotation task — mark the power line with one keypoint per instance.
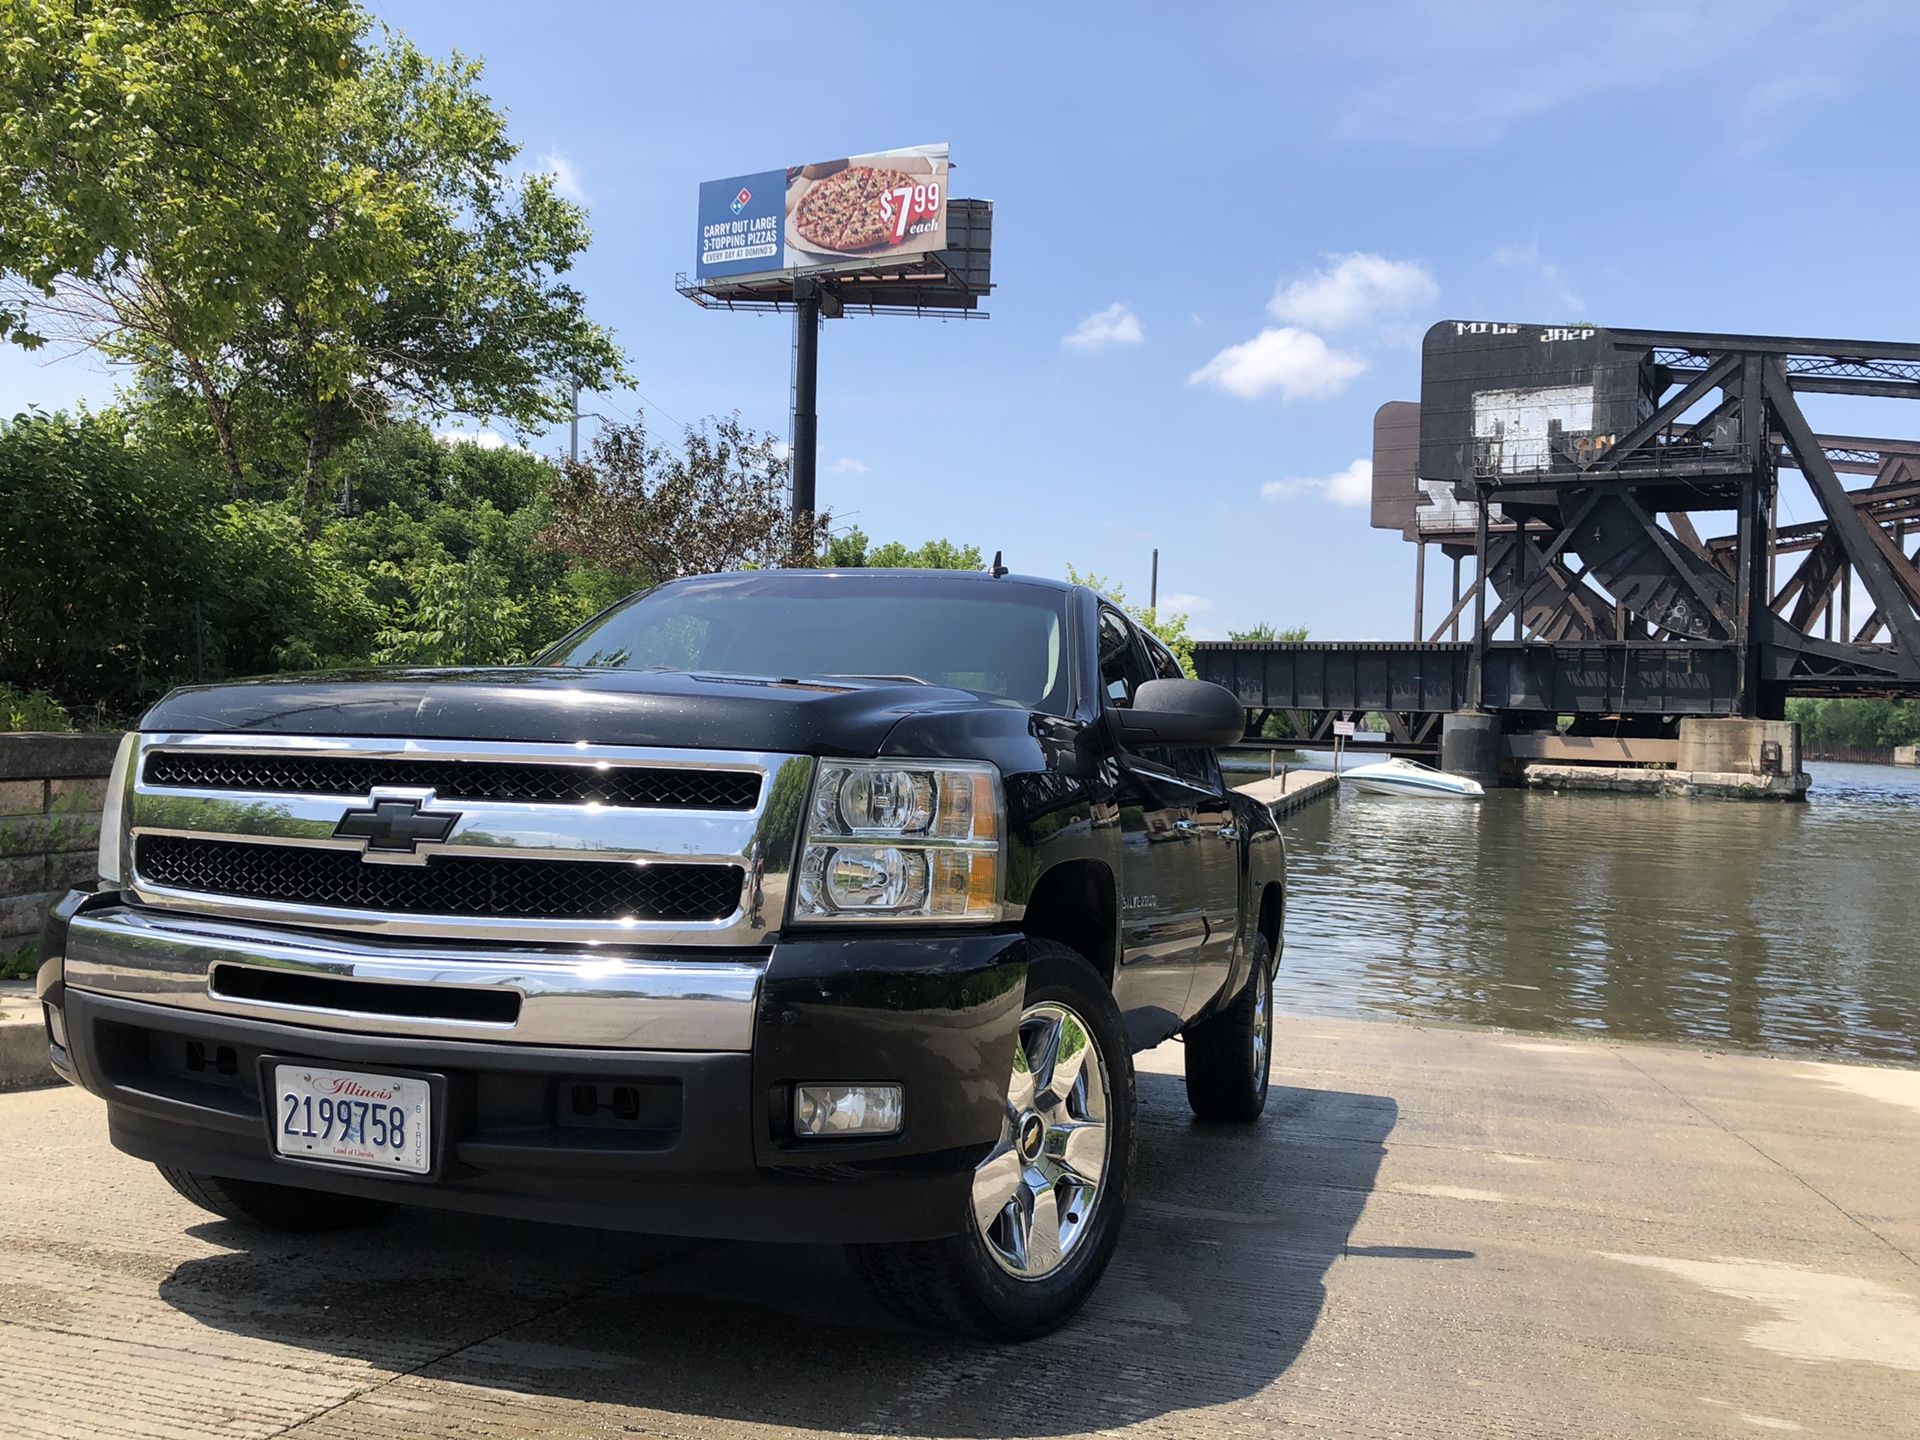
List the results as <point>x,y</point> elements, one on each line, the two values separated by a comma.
<point>651,405</point>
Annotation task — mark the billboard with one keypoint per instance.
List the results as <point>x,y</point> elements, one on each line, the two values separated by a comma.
<point>852,214</point>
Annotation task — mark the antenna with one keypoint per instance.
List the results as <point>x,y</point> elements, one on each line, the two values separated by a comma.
<point>996,570</point>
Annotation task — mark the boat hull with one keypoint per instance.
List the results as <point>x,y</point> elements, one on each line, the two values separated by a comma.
<point>1418,787</point>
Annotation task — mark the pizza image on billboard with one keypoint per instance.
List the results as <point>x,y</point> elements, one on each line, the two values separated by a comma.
<point>858,213</point>
<point>872,206</point>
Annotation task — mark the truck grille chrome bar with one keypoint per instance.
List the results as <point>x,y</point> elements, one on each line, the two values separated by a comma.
<point>543,843</point>
<point>572,783</point>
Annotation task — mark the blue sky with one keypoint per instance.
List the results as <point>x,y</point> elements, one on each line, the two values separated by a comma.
<point>1247,214</point>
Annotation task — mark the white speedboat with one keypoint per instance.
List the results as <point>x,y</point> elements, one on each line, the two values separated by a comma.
<point>1410,777</point>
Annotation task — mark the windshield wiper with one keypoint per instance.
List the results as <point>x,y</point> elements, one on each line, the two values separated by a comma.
<point>903,679</point>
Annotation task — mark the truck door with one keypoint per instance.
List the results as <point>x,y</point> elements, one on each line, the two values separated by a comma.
<point>1215,846</point>
<point>1163,919</point>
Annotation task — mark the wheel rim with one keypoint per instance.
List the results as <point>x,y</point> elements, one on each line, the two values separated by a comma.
<point>1035,1195</point>
<point>1262,1026</point>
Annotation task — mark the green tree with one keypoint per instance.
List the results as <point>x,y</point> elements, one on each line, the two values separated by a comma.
<point>1856,724</point>
<point>849,551</point>
<point>455,614</point>
<point>265,209</point>
<point>103,552</point>
<point>136,132</point>
<point>1265,634</point>
<point>1171,629</point>
<point>646,513</point>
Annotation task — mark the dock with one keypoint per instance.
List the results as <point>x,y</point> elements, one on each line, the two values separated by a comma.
<point>1434,1231</point>
<point>1294,790</point>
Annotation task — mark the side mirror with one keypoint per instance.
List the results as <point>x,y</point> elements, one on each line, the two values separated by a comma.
<point>1182,712</point>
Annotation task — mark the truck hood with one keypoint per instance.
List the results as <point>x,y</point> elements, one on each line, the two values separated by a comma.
<point>563,705</point>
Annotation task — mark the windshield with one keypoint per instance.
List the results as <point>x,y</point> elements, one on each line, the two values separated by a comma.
<point>1002,641</point>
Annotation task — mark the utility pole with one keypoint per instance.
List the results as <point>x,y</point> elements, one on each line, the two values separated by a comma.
<point>1153,585</point>
<point>573,429</point>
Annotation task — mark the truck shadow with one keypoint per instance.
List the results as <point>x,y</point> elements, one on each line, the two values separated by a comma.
<point>1217,1288</point>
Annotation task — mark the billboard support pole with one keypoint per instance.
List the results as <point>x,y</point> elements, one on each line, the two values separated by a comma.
<point>806,388</point>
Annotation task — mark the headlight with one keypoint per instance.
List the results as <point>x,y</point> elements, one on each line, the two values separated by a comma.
<point>902,840</point>
<point>111,812</point>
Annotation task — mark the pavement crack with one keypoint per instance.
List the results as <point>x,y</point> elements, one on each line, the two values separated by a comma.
<point>1772,1160</point>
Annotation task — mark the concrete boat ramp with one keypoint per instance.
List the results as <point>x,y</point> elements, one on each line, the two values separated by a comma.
<point>1433,1232</point>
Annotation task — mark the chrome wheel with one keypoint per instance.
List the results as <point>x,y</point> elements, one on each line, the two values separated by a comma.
<point>1262,1026</point>
<point>1034,1196</point>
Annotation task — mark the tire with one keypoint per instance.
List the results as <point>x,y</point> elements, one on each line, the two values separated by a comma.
<point>971,1280</point>
<point>1230,1053</point>
<point>273,1207</point>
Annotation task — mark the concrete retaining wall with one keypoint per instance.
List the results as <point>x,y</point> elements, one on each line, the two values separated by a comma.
<point>51,791</point>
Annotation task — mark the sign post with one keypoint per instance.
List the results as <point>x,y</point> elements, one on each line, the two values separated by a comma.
<point>804,436</point>
<point>876,231</point>
<point>1342,731</point>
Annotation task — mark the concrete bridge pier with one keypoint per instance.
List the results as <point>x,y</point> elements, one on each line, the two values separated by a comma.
<point>1736,746</point>
<point>1471,745</point>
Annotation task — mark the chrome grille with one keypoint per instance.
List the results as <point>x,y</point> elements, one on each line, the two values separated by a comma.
<point>445,885</point>
<point>540,842</point>
<point>644,786</point>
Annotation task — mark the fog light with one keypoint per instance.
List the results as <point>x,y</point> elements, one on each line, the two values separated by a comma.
<point>821,1111</point>
<point>56,1026</point>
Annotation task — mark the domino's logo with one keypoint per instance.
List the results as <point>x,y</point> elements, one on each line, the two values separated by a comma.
<point>740,200</point>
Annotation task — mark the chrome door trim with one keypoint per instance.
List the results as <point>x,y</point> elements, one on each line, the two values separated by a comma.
<point>569,996</point>
<point>762,841</point>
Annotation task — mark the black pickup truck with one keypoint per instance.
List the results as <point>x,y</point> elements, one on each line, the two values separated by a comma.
<point>803,905</point>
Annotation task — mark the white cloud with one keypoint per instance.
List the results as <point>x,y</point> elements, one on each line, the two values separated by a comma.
<point>847,465</point>
<point>1115,325</point>
<point>1351,486</point>
<point>1542,277</point>
<point>1180,603</point>
<point>1295,362</point>
<point>1353,289</point>
<point>782,450</point>
<point>566,177</point>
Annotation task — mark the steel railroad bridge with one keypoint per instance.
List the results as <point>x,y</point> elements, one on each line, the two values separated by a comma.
<point>1575,469</point>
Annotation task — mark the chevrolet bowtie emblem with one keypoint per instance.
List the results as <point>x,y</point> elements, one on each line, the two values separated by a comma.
<point>395,824</point>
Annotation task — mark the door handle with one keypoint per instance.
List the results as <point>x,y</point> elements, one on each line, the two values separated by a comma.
<point>1228,832</point>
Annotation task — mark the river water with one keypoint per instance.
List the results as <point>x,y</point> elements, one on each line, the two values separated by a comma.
<point>1765,926</point>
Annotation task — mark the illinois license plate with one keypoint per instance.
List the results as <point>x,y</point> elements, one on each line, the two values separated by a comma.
<point>349,1117</point>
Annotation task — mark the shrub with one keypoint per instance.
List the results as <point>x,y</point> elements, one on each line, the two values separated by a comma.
<point>31,710</point>
<point>103,551</point>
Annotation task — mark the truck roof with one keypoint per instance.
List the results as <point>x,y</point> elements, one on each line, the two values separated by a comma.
<point>958,577</point>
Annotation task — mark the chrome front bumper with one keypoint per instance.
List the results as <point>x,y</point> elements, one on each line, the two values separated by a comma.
<point>553,995</point>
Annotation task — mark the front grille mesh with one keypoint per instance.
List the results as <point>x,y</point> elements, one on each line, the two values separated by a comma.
<point>654,787</point>
<point>448,885</point>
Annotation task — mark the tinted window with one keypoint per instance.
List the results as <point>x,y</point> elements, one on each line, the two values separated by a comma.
<point>1001,640</point>
<point>1165,665</point>
<point>1123,667</point>
<point>1191,762</point>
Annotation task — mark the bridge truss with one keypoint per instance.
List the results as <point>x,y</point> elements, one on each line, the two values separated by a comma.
<point>1575,470</point>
